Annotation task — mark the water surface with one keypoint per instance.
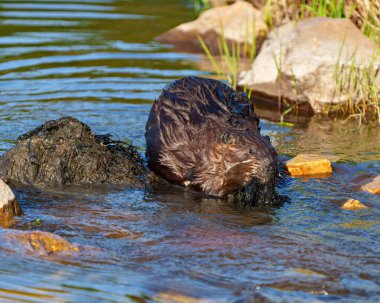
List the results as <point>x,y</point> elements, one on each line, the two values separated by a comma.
<point>97,60</point>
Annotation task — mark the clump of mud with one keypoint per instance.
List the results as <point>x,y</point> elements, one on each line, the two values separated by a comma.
<point>65,151</point>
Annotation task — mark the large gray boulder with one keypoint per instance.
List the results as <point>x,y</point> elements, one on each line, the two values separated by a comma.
<point>310,62</point>
<point>239,22</point>
<point>9,207</point>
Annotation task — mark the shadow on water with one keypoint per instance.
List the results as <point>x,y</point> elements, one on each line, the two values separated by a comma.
<point>97,60</point>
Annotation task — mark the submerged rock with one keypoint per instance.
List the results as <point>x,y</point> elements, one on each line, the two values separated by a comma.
<point>176,297</point>
<point>353,204</point>
<point>308,165</point>
<point>310,62</point>
<point>238,23</point>
<point>65,151</point>
<point>9,206</point>
<point>42,243</point>
<point>372,186</point>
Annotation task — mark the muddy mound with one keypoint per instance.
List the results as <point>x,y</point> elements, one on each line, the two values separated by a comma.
<point>65,151</point>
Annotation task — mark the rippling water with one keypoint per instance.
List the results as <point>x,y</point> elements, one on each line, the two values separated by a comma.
<point>97,60</point>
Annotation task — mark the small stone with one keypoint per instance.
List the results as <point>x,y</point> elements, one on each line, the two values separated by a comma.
<point>307,165</point>
<point>9,207</point>
<point>373,186</point>
<point>353,204</point>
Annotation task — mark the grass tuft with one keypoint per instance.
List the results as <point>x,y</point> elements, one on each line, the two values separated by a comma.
<point>362,90</point>
<point>229,59</point>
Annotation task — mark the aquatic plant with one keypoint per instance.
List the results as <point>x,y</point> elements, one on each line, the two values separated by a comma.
<point>359,81</point>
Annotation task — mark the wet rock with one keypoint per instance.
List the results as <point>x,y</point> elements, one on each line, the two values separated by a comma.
<point>304,61</point>
<point>124,233</point>
<point>65,151</point>
<point>42,243</point>
<point>353,204</point>
<point>373,186</point>
<point>173,297</point>
<point>9,206</point>
<point>308,165</point>
<point>236,22</point>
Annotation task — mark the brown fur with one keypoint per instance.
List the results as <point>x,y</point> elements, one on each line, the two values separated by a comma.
<point>203,135</point>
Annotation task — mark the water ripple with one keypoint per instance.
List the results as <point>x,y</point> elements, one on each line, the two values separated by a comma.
<point>97,60</point>
<point>22,63</point>
<point>66,7</point>
<point>69,15</point>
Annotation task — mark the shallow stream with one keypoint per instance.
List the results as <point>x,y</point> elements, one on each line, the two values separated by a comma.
<point>97,60</point>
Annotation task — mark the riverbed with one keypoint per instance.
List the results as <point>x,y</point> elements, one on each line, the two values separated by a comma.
<point>97,60</point>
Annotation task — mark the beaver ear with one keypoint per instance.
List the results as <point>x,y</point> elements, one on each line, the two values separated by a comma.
<point>228,138</point>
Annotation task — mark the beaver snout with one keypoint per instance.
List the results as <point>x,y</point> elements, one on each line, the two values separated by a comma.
<point>270,173</point>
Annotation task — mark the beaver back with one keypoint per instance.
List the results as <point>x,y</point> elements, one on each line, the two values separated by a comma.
<point>190,115</point>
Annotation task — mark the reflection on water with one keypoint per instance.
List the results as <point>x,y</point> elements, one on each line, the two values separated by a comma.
<point>97,60</point>
<point>339,141</point>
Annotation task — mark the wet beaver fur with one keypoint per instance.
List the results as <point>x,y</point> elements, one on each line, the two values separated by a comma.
<point>65,151</point>
<point>203,135</point>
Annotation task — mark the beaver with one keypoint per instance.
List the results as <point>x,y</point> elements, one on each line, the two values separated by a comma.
<point>205,136</point>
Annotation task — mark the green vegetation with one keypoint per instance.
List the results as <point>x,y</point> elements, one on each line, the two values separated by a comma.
<point>324,8</point>
<point>200,5</point>
<point>362,92</point>
<point>37,222</point>
<point>230,56</point>
<point>367,16</point>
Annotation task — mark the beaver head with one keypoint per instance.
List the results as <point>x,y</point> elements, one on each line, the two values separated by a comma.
<point>240,163</point>
<point>248,156</point>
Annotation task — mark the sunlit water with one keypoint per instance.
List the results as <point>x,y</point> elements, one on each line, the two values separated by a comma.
<point>97,60</point>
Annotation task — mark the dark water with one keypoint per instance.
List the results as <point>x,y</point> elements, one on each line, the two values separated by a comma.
<point>96,60</point>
